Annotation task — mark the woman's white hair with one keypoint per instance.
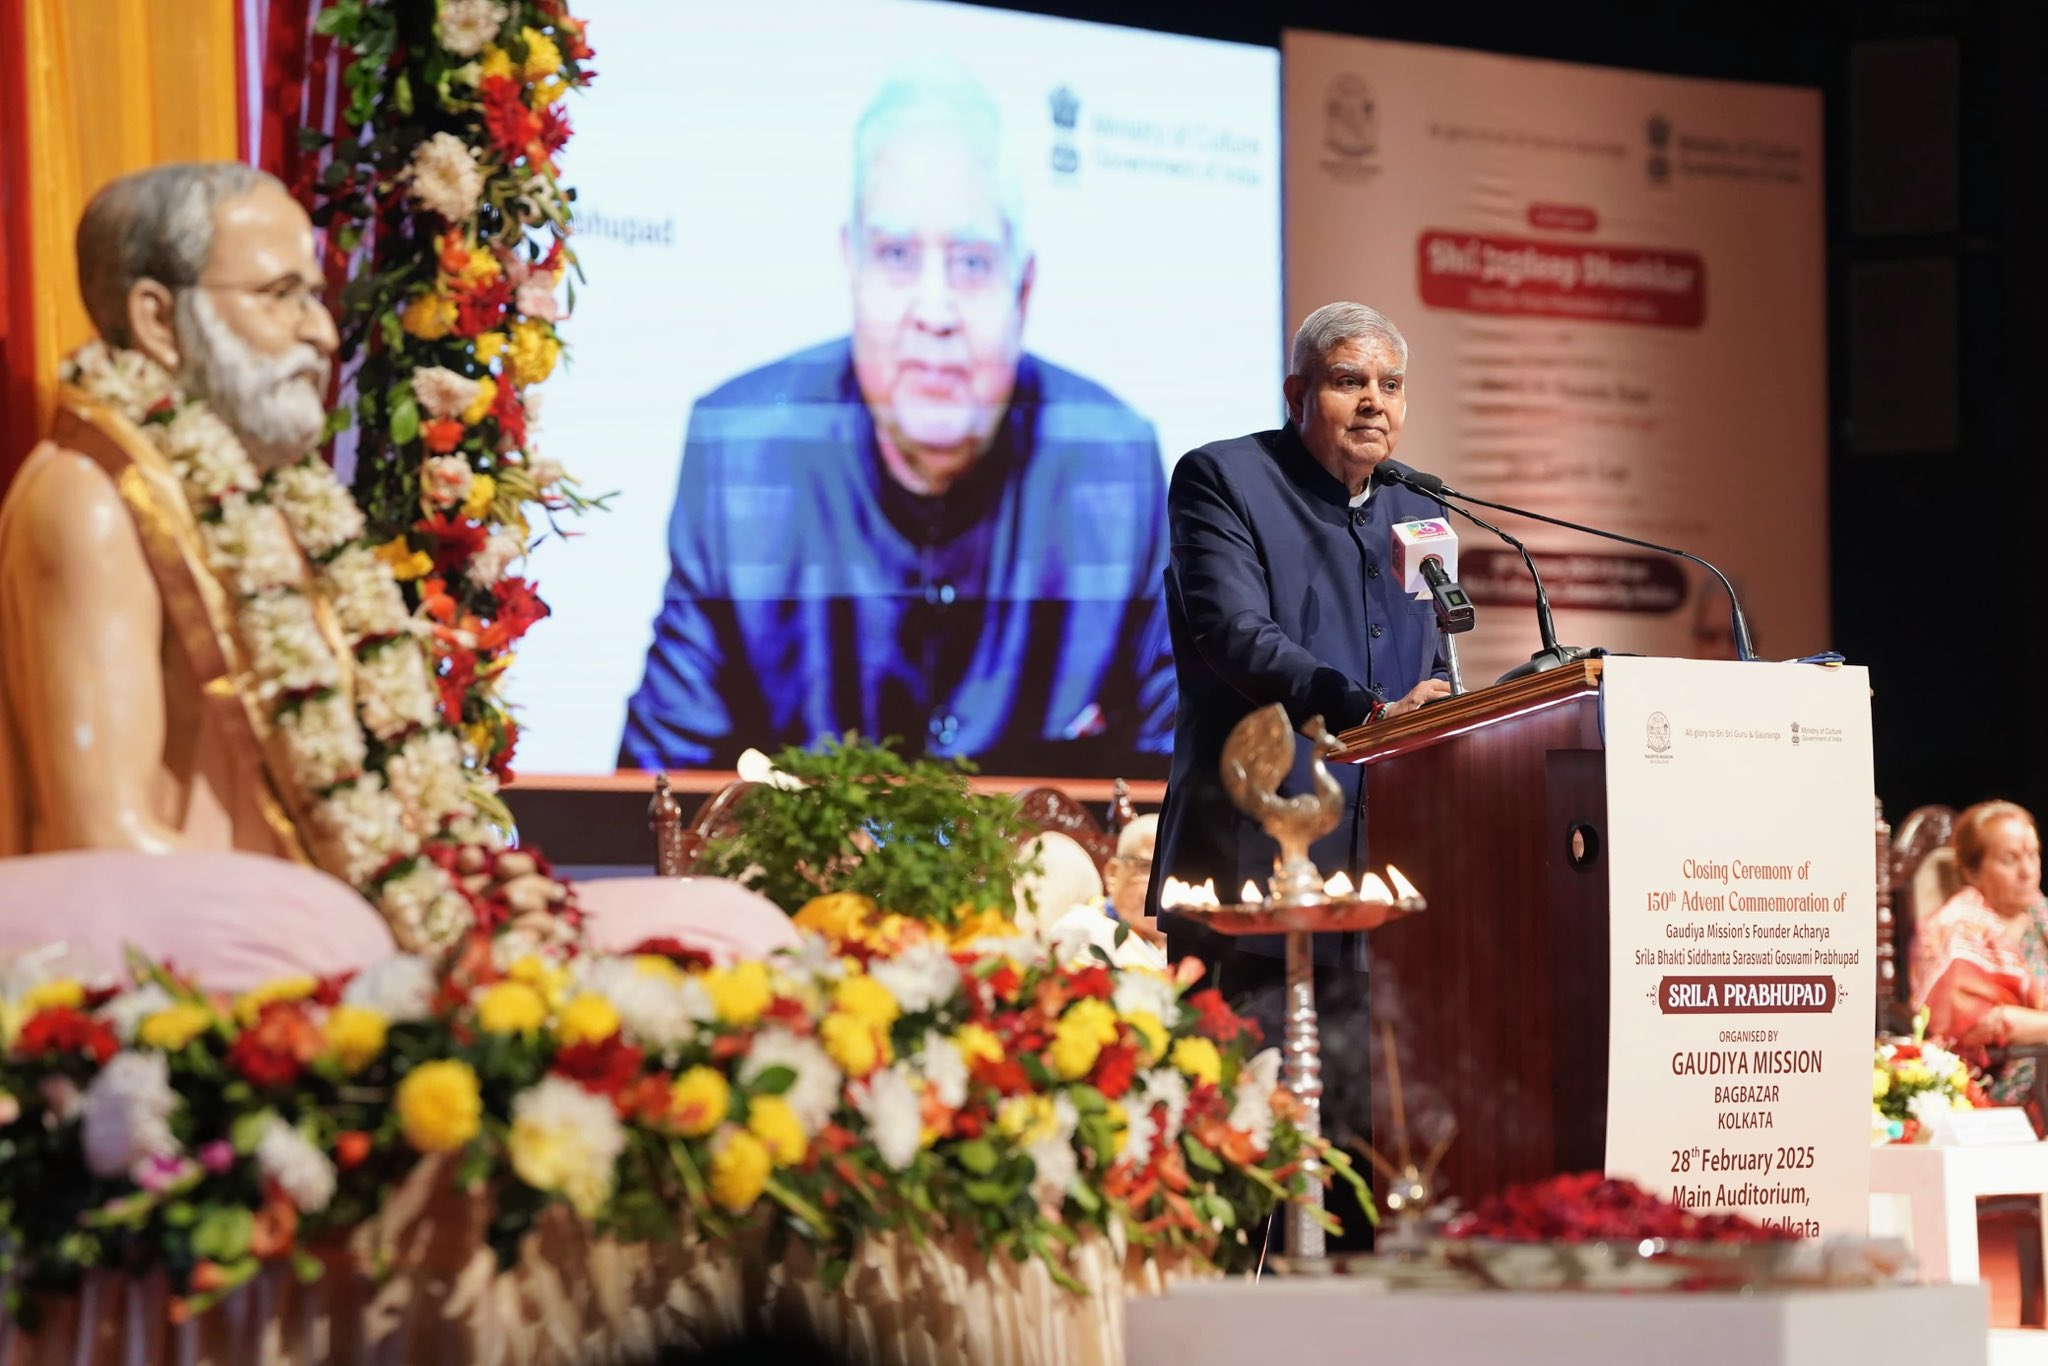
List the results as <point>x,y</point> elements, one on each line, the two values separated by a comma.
<point>1330,326</point>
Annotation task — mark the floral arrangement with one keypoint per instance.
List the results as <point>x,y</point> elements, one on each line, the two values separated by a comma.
<point>1582,1207</point>
<point>854,816</point>
<point>1911,1079</point>
<point>444,209</point>
<point>350,722</point>
<point>827,1095</point>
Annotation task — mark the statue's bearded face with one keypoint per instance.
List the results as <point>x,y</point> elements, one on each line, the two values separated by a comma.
<point>254,338</point>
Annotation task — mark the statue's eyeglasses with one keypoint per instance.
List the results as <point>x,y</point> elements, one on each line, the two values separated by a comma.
<point>287,295</point>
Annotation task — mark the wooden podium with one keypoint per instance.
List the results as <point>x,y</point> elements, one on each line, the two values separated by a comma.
<point>1495,804</point>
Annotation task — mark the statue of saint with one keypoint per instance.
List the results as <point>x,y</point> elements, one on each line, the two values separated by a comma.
<point>198,648</point>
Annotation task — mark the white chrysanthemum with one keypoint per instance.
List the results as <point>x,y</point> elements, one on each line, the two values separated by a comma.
<point>920,977</point>
<point>440,391</point>
<point>1252,1100</point>
<point>127,1113</point>
<point>250,547</point>
<point>286,650</point>
<point>467,25</point>
<point>814,962</point>
<point>300,1170</point>
<point>127,380</point>
<point>1929,1107</point>
<point>322,742</point>
<point>127,1011</point>
<point>944,1069</point>
<point>394,691</point>
<point>490,563</point>
<point>446,178</point>
<point>658,1012</point>
<point>426,774</point>
<point>889,1101</point>
<point>424,908</point>
<point>1055,1167</point>
<point>366,825</point>
<point>365,596</point>
<point>323,514</point>
<point>1939,1060</point>
<point>1164,1086</point>
<point>206,456</point>
<point>814,1095</point>
<point>1148,990</point>
<point>567,1141</point>
<point>545,473</point>
<point>400,988</point>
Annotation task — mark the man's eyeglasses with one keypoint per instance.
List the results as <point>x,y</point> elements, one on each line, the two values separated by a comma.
<point>970,266</point>
<point>289,296</point>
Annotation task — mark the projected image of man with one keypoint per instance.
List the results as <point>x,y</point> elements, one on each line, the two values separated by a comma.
<point>919,529</point>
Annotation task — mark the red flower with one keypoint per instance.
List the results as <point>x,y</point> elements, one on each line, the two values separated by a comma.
<point>554,131</point>
<point>1005,1075</point>
<point>455,681</point>
<point>1114,1068</point>
<point>1003,982</point>
<point>648,1100</point>
<point>511,416</point>
<point>685,957</point>
<point>456,541</point>
<point>518,608</point>
<point>60,1031</point>
<point>512,126</point>
<point>1090,981</point>
<point>481,307</point>
<point>351,1149</point>
<point>454,257</point>
<point>603,1069</point>
<point>1218,1021</point>
<point>275,1050</point>
<point>443,434</point>
<point>501,758</point>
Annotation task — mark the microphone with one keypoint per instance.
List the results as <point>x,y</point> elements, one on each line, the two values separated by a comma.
<point>1436,488</point>
<point>1420,550</point>
<point>1552,655</point>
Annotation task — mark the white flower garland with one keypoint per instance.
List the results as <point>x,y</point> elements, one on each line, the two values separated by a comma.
<point>260,534</point>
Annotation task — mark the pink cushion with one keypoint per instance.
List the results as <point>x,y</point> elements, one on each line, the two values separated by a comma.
<point>710,914</point>
<point>229,920</point>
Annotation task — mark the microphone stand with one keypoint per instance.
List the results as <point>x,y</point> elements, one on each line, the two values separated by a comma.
<point>1740,624</point>
<point>1552,655</point>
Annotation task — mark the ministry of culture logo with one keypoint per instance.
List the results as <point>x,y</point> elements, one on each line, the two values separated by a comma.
<point>1657,733</point>
<point>1795,732</point>
<point>1658,132</point>
<point>1351,118</point>
<point>1066,113</point>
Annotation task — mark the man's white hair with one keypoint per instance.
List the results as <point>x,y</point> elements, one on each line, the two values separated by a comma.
<point>1330,326</point>
<point>921,97</point>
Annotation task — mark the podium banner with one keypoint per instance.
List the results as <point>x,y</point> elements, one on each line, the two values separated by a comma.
<point>1742,937</point>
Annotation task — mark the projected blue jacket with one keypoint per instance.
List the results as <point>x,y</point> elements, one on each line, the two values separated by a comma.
<point>1279,591</point>
<point>1014,620</point>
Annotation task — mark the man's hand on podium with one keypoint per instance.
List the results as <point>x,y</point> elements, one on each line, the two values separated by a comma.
<point>1428,690</point>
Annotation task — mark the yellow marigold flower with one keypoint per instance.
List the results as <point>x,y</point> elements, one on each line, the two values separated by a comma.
<point>587,1019</point>
<point>482,491</point>
<point>62,992</point>
<point>842,917</point>
<point>439,1106</point>
<point>406,563</point>
<point>478,736</point>
<point>1915,1073</point>
<point>978,1043</point>
<point>488,345</point>
<point>739,993</point>
<point>739,1170</point>
<point>1151,1034</point>
<point>534,351</point>
<point>430,316</point>
<point>548,91</point>
<point>543,58</point>
<point>1078,1038</point>
<point>1199,1059</point>
<point>537,972</point>
<point>480,408</point>
<point>984,924</point>
<point>1880,1083</point>
<point>174,1026</point>
<point>496,62</point>
<point>250,1004</point>
<point>1028,1119</point>
<point>482,267</point>
<point>700,1101</point>
<point>356,1034</point>
<point>862,997</point>
<point>511,1007</point>
<point>770,1119</point>
<point>1120,1127</point>
<point>654,965</point>
<point>851,1042</point>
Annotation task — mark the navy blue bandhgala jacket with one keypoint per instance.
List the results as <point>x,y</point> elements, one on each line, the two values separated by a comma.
<point>1278,591</point>
<point>1013,620</point>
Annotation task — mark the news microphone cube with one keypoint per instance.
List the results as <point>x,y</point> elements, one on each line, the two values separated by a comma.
<point>1418,540</point>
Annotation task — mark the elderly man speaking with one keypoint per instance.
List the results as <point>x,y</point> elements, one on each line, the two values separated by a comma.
<point>1279,590</point>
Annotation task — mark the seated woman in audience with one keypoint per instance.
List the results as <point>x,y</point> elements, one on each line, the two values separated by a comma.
<point>1980,963</point>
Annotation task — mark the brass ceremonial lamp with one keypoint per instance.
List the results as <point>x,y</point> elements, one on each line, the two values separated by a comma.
<point>1300,905</point>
